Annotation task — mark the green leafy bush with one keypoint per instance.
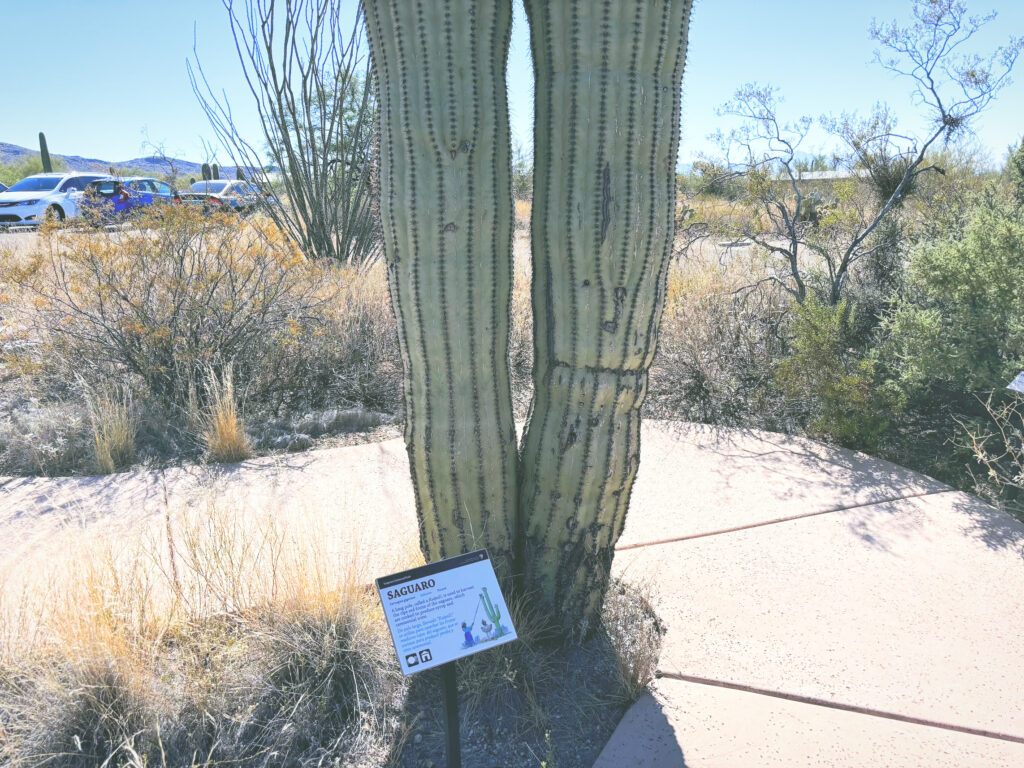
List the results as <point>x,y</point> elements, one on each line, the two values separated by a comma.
<point>960,326</point>
<point>837,387</point>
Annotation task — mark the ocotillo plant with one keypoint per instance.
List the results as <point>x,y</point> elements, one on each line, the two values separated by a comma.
<point>492,613</point>
<point>207,173</point>
<point>215,169</point>
<point>44,154</point>
<point>446,209</point>
<point>607,103</point>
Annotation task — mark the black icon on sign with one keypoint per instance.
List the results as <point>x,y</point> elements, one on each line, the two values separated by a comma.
<point>420,657</point>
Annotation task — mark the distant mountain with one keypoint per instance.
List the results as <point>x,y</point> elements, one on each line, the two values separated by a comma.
<point>153,165</point>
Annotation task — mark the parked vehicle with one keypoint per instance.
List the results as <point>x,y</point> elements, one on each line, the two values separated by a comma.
<point>3,187</point>
<point>44,196</point>
<point>113,198</point>
<point>239,196</point>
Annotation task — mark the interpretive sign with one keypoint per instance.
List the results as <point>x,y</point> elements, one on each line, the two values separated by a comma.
<point>445,610</point>
<point>1017,385</point>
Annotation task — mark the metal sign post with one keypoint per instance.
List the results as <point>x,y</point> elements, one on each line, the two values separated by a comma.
<point>433,613</point>
<point>451,714</point>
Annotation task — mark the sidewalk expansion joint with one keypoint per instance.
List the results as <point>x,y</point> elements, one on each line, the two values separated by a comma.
<point>778,520</point>
<point>844,707</point>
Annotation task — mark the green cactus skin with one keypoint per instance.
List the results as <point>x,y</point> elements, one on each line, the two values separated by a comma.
<point>44,154</point>
<point>492,613</point>
<point>239,176</point>
<point>446,209</point>
<point>207,173</point>
<point>607,106</point>
<point>191,180</point>
<point>216,171</point>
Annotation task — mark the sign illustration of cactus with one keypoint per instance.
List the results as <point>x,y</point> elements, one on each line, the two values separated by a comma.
<point>44,154</point>
<point>606,129</point>
<point>493,614</point>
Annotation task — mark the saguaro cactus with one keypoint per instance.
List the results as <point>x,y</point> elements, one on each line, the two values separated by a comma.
<point>207,173</point>
<point>607,103</point>
<point>44,154</point>
<point>215,169</point>
<point>446,209</point>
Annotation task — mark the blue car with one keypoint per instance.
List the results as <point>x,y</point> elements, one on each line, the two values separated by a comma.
<point>115,198</point>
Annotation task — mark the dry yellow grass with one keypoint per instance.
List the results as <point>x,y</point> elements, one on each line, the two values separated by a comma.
<point>215,636</point>
<point>222,428</point>
<point>114,426</point>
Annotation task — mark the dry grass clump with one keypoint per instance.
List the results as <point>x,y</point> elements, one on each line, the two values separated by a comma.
<point>114,426</point>
<point>220,423</point>
<point>226,640</point>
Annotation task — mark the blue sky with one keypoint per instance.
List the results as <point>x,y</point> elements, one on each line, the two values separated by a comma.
<point>96,75</point>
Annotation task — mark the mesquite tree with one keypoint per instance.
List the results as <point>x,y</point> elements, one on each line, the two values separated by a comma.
<point>605,143</point>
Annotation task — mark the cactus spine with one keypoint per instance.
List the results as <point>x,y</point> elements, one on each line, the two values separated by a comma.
<point>607,104</point>
<point>44,154</point>
<point>446,209</point>
<point>207,173</point>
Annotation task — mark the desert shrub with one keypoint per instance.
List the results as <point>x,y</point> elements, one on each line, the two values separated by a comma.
<point>155,308</point>
<point>834,385</point>
<point>722,332</point>
<point>960,326</point>
<point>998,448</point>
<point>51,438</point>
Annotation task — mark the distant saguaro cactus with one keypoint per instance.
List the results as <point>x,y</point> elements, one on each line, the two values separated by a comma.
<point>207,173</point>
<point>606,132</point>
<point>239,176</point>
<point>216,171</point>
<point>191,180</point>
<point>44,154</point>
<point>446,210</point>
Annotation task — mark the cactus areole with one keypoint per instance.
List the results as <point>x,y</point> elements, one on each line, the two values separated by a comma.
<point>607,106</point>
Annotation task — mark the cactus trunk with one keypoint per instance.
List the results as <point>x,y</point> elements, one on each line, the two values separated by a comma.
<point>607,104</point>
<point>446,209</point>
<point>207,173</point>
<point>215,170</point>
<point>44,154</point>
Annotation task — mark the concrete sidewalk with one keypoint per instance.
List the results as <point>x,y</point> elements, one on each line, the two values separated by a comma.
<point>822,609</point>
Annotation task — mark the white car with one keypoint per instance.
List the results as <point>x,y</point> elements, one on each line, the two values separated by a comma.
<point>44,195</point>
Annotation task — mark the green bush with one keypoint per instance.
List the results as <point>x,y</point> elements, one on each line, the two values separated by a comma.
<point>960,325</point>
<point>837,387</point>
